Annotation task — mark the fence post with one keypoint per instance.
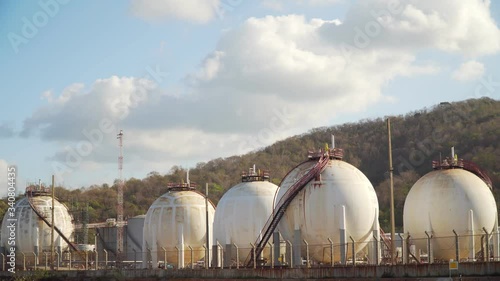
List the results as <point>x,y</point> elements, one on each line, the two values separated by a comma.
<point>219,247</point>
<point>191,252</point>
<point>403,248</point>
<point>353,252</point>
<point>307,253</point>
<point>272,254</point>
<point>291,253</point>
<point>457,249</point>
<point>237,256</point>
<point>331,251</point>
<point>430,256</point>
<point>97,259</point>
<point>487,252</point>
<point>34,255</point>
<point>86,260</point>
<point>164,257</point>
<point>105,259</point>
<point>178,258</point>
<point>57,263</point>
<point>206,256</point>
<point>253,256</point>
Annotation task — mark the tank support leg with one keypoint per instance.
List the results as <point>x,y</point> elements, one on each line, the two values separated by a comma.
<point>472,246</point>
<point>343,241</point>
<point>496,242</point>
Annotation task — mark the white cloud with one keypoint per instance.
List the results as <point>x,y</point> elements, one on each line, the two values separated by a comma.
<point>468,71</point>
<point>462,27</point>
<point>197,11</point>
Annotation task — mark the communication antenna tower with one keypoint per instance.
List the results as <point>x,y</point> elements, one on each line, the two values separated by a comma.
<point>119,206</point>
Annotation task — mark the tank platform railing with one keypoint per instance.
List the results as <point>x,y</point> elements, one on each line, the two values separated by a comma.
<point>255,176</point>
<point>456,163</point>
<point>333,153</point>
<point>181,186</point>
<point>282,205</point>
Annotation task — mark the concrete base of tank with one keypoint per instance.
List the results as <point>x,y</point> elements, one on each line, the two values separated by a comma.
<point>466,271</point>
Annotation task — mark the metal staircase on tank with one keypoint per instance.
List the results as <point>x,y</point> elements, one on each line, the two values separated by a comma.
<point>288,197</point>
<point>29,194</point>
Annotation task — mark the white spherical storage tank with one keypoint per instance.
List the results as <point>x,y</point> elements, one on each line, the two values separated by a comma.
<point>32,234</point>
<point>241,215</point>
<point>175,222</point>
<point>339,204</point>
<point>447,200</point>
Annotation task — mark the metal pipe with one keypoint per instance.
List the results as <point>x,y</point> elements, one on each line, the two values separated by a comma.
<point>331,251</point>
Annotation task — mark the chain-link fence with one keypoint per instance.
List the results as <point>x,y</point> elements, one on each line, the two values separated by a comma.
<point>423,248</point>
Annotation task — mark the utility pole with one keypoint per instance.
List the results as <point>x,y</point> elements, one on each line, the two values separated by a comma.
<point>119,206</point>
<point>392,192</point>
<point>52,228</point>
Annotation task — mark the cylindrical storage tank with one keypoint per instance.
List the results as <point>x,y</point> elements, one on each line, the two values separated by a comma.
<point>242,213</point>
<point>31,233</point>
<point>174,222</point>
<point>339,204</point>
<point>135,230</point>
<point>447,200</point>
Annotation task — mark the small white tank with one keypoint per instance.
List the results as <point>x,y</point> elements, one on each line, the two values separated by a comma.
<point>449,198</point>
<point>241,215</point>
<point>31,233</point>
<point>177,219</point>
<point>317,211</point>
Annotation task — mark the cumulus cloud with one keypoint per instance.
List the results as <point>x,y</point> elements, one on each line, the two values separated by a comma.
<point>468,71</point>
<point>462,27</point>
<point>196,11</point>
<point>266,79</point>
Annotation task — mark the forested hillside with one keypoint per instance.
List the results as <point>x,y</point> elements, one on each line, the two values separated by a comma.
<point>472,126</point>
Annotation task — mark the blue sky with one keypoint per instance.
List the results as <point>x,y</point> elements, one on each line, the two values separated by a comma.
<point>189,81</point>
